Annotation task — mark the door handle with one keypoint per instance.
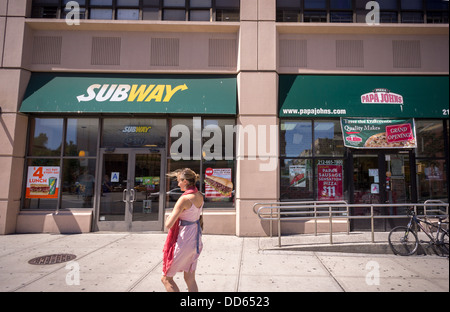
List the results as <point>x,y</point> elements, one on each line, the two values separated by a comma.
<point>124,195</point>
<point>132,195</point>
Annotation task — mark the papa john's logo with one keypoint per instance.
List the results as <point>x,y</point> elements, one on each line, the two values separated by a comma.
<point>381,96</point>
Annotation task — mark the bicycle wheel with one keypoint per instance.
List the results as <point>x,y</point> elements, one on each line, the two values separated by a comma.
<point>403,241</point>
<point>442,244</point>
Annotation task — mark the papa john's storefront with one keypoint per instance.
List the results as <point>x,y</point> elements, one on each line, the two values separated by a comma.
<point>100,145</point>
<point>364,139</point>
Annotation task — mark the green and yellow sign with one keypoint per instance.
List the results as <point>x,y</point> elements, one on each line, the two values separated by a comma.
<point>103,93</point>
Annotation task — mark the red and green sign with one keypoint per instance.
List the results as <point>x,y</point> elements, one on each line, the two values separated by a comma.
<point>329,182</point>
<point>378,133</point>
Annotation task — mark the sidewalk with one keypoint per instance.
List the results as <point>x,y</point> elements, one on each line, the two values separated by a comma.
<point>132,262</point>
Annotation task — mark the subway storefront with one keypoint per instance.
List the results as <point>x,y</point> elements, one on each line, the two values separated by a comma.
<point>365,140</point>
<point>100,145</point>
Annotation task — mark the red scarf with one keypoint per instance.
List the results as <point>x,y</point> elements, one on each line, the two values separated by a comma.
<point>172,236</point>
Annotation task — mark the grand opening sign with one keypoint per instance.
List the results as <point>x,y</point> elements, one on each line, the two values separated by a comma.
<point>378,133</point>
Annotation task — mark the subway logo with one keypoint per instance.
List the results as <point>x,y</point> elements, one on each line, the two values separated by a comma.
<point>130,93</point>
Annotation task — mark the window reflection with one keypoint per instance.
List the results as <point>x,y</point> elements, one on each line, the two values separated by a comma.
<point>430,138</point>
<point>46,137</point>
<point>431,180</point>
<point>78,183</point>
<point>173,192</point>
<point>328,138</point>
<point>296,138</point>
<point>81,137</point>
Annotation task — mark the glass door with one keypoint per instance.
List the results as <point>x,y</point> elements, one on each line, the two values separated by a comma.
<point>398,178</point>
<point>380,177</point>
<point>147,210</point>
<point>131,198</point>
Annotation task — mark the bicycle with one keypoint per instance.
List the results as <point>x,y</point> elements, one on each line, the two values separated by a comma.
<point>404,241</point>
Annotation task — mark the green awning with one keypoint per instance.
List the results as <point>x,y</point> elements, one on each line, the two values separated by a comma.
<point>364,96</point>
<point>113,93</point>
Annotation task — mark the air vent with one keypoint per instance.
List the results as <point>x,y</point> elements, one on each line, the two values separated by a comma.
<point>165,52</point>
<point>222,53</point>
<point>47,50</point>
<point>293,53</point>
<point>105,51</point>
<point>406,53</point>
<point>349,53</point>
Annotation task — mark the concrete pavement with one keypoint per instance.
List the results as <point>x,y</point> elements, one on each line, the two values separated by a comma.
<point>132,262</point>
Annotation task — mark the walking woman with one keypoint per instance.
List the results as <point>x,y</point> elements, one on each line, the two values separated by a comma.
<point>184,241</point>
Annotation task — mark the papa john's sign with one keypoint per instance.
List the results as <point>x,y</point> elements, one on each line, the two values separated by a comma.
<point>381,96</point>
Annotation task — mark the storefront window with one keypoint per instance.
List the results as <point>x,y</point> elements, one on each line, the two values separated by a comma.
<point>430,160</point>
<point>297,179</point>
<point>312,160</point>
<point>296,138</point>
<point>78,186</point>
<point>182,134</point>
<point>46,137</point>
<point>207,147</point>
<point>328,138</point>
<point>431,180</point>
<point>173,192</point>
<point>132,132</point>
<point>81,137</point>
<point>61,179</point>
<point>430,138</point>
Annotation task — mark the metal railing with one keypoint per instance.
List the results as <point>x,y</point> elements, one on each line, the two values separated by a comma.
<point>317,210</point>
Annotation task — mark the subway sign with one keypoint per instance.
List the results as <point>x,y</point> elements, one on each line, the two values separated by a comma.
<point>130,93</point>
<point>113,93</point>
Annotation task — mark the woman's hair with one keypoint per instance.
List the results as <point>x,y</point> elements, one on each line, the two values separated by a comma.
<point>185,174</point>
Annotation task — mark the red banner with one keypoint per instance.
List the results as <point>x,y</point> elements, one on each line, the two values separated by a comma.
<point>329,182</point>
